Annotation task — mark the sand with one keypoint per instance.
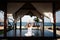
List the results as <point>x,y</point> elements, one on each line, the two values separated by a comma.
<point>1,27</point>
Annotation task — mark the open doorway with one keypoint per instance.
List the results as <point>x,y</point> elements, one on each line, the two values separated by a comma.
<point>35,30</point>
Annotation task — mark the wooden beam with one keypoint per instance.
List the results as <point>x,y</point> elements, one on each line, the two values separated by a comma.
<point>26,6</point>
<point>15,29</point>
<point>54,19</point>
<point>5,24</point>
<point>20,26</point>
<point>5,19</point>
<point>37,13</point>
<point>39,1</point>
<point>40,14</point>
<point>13,25</point>
<point>42,29</point>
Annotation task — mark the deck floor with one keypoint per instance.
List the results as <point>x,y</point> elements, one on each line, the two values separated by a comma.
<point>36,32</point>
<point>13,33</point>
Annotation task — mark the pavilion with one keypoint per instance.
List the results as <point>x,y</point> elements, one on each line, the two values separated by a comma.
<point>19,9</point>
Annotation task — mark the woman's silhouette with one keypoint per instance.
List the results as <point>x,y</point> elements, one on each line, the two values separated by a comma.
<point>29,33</point>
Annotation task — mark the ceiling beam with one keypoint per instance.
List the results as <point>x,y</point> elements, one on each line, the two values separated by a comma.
<point>26,6</point>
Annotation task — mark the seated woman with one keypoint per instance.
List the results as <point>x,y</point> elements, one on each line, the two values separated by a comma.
<point>29,33</point>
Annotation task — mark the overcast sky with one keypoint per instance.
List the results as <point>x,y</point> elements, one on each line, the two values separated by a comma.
<point>58,16</point>
<point>28,18</point>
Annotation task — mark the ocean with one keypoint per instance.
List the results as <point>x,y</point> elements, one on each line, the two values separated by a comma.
<point>45,24</point>
<point>24,23</point>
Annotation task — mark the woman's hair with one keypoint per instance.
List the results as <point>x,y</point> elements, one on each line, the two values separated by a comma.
<point>29,25</point>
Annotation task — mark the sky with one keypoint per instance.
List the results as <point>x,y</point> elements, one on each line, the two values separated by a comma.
<point>1,15</point>
<point>58,16</point>
<point>27,18</point>
<point>30,19</point>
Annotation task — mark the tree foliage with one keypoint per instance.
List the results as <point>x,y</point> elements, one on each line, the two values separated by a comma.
<point>36,19</point>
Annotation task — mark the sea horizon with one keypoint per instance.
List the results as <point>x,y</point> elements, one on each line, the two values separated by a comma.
<point>24,23</point>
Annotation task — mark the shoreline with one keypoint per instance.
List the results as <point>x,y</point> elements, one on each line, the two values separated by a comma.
<point>45,27</point>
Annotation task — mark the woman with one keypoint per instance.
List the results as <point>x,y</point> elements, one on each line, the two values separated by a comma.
<point>29,33</point>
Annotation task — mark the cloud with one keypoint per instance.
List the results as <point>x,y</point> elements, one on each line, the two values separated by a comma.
<point>58,16</point>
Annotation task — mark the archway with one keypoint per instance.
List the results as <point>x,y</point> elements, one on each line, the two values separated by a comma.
<point>35,29</point>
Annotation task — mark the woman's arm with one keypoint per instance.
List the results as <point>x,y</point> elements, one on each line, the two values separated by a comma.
<point>26,26</point>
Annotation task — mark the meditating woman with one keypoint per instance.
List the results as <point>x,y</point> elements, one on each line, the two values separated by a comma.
<point>29,32</point>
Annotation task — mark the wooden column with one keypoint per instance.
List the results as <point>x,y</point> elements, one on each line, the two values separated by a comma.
<point>54,19</point>
<point>4,7</point>
<point>20,27</point>
<point>15,28</point>
<point>54,25</point>
<point>13,25</point>
<point>42,29</point>
<point>43,26</point>
<point>5,24</point>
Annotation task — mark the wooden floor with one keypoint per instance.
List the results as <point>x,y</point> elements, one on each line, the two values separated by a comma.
<point>47,33</point>
<point>36,32</point>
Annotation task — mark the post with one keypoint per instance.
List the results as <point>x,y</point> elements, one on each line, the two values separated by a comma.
<point>15,27</point>
<point>54,25</point>
<point>42,29</point>
<point>5,23</point>
<point>43,26</point>
<point>54,19</point>
<point>20,27</point>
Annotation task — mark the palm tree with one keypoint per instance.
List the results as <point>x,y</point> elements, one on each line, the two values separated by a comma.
<point>37,22</point>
